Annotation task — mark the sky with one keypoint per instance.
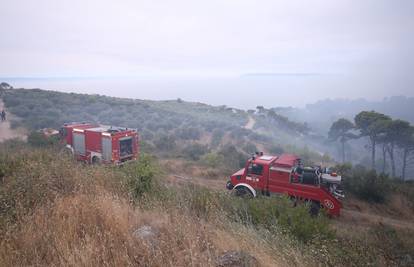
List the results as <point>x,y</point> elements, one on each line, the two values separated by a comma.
<point>236,52</point>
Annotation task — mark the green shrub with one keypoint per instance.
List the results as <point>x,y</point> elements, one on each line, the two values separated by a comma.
<point>140,176</point>
<point>194,151</point>
<point>212,159</point>
<point>165,142</point>
<point>188,133</point>
<point>249,148</point>
<point>233,159</point>
<point>8,161</point>
<point>146,147</point>
<point>275,213</point>
<point>30,178</point>
<point>367,184</point>
<point>200,201</point>
<point>217,136</point>
<point>38,139</point>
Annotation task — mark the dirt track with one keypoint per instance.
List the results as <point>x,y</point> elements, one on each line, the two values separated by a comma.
<point>366,219</point>
<point>250,123</point>
<point>5,130</point>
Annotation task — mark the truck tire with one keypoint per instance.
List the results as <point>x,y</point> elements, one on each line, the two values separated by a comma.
<point>314,208</point>
<point>243,192</point>
<point>96,160</point>
<point>68,151</point>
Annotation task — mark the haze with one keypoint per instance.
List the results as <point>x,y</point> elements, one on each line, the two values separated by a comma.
<point>235,52</point>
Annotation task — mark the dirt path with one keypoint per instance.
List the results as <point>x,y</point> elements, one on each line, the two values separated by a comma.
<point>365,218</point>
<point>250,123</point>
<point>5,130</point>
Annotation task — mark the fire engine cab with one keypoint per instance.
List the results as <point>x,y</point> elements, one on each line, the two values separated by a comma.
<point>285,174</point>
<point>94,143</point>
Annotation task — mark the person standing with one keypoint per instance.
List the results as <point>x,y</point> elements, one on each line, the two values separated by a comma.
<point>3,115</point>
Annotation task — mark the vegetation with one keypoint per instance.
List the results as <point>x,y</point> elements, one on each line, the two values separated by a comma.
<point>398,133</point>
<point>38,139</point>
<point>55,211</point>
<point>366,184</point>
<point>392,134</point>
<point>341,130</point>
<point>370,123</point>
<point>167,128</point>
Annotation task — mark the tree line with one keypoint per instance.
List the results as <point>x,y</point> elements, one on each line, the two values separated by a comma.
<point>394,137</point>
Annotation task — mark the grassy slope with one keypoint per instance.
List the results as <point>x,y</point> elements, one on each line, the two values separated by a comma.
<point>58,212</point>
<point>375,244</point>
<point>55,211</point>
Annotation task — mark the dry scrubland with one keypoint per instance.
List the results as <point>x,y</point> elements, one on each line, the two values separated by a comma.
<point>55,211</point>
<point>59,212</point>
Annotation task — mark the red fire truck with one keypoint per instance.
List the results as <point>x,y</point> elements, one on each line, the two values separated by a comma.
<point>94,143</point>
<point>285,174</point>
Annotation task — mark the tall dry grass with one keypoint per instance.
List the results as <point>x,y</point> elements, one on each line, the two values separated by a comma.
<point>55,211</point>
<point>98,230</point>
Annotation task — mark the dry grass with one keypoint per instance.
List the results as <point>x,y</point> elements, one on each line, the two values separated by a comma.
<point>98,230</point>
<point>58,212</point>
<point>62,213</point>
<point>84,230</point>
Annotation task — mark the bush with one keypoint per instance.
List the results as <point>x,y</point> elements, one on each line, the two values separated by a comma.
<point>233,159</point>
<point>165,142</point>
<point>199,201</point>
<point>366,184</point>
<point>32,178</point>
<point>140,176</point>
<point>278,212</point>
<point>216,137</point>
<point>275,214</point>
<point>194,151</point>
<point>249,148</point>
<point>40,140</point>
<point>190,133</point>
<point>212,159</point>
<point>8,162</point>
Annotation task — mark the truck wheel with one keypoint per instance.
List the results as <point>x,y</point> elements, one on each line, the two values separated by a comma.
<point>243,192</point>
<point>314,208</point>
<point>96,160</point>
<point>68,151</point>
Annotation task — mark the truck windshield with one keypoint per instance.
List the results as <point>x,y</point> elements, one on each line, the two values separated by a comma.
<point>255,169</point>
<point>125,147</point>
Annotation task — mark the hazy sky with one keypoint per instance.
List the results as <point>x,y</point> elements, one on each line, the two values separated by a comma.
<point>353,48</point>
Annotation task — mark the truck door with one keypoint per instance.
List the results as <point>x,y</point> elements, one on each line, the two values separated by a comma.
<point>254,175</point>
<point>79,143</point>
<point>106,149</point>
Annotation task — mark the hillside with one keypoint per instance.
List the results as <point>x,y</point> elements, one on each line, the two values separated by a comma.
<point>99,209</point>
<point>170,129</point>
<point>55,211</point>
<point>6,132</point>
